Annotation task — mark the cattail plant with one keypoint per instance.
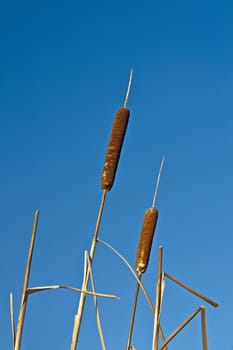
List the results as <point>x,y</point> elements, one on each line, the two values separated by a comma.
<point>144,248</point>
<point>119,127</point>
<point>108,175</point>
<point>150,219</point>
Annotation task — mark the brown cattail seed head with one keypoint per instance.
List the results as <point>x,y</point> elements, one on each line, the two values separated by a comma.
<point>114,148</point>
<point>146,238</point>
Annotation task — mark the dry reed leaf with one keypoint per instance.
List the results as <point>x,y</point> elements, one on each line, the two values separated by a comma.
<point>22,310</point>
<point>191,290</point>
<point>12,319</point>
<point>44,288</point>
<point>179,329</point>
<point>158,301</point>
<point>162,291</point>
<point>132,271</point>
<point>203,328</point>
<point>99,327</point>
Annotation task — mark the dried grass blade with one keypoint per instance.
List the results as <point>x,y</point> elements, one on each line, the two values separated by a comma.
<point>99,327</point>
<point>138,280</point>
<point>162,291</point>
<point>178,329</point>
<point>85,266</point>
<point>203,328</point>
<point>132,271</point>
<point>44,288</point>
<point>158,301</point>
<point>162,336</point>
<point>12,319</point>
<point>191,290</point>
<point>160,328</point>
<point>23,305</point>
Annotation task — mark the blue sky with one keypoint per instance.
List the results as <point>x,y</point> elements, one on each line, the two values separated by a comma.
<point>64,69</point>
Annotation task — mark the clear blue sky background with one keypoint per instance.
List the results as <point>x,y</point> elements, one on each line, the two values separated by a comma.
<point>64,69</point>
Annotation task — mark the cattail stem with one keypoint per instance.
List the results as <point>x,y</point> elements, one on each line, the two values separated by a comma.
<point>133,313</point>
<point>78,316</point>
<point>203,328</point>
<point>152,309</point>
<point>25,286</point>
<point>99,327</point>
<point>158,301</point>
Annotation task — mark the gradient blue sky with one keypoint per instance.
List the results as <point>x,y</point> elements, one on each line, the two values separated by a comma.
<point>64,69</point>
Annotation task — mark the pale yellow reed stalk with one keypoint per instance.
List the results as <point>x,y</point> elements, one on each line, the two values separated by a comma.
<point>138,281</point>
<point>191,290</point>
<point>203,328</point>
<point>178,329</point>
<point>23,305</point>
<point>158,301</point>
<point>12,319</point>
<point>99,327</point>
